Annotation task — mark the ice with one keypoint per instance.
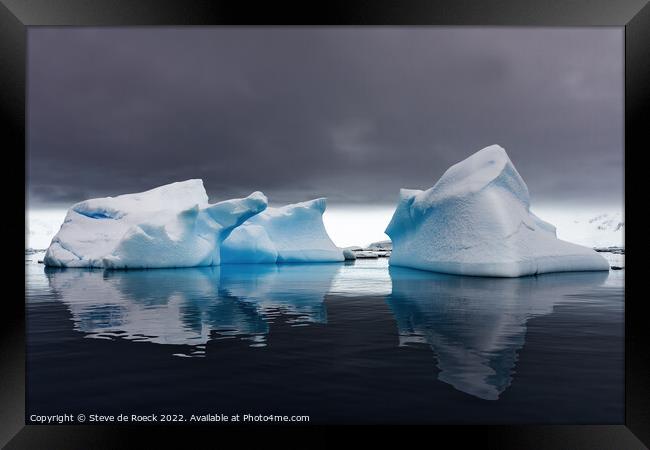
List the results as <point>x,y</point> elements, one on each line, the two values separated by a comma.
<point>168,226</point>
<point>375,250</point>
<point>365,254</point>
<point>476,220</point>
<point>381,245</point>
<point>348,253</point>
<point>41,226</point>
<point>589,226</point>
<point>289,234</point>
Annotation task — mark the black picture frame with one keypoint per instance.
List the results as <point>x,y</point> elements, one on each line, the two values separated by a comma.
<point>634,15</point>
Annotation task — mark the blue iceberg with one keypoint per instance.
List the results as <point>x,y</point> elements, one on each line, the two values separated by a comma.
<point>169,226</point>
<point>476,220</point>
<point>175,226</point>
<point>290,234</point>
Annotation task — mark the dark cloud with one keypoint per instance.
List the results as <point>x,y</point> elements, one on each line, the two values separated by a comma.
<point>348,113</point>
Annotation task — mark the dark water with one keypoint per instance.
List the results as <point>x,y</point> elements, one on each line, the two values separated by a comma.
<point>341,343</point>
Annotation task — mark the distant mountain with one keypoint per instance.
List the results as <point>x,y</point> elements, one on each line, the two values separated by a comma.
<point>601,230</point>
<point>381,245</point>
<point>608,223</point>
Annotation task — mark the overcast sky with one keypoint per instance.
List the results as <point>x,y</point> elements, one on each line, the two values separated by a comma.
<point>352,114</point>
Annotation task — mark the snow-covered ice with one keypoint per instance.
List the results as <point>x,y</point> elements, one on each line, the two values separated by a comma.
<point>292,233</point>
<point>591,226</point>
<point>41,226</point>
<point>168,226</point>
<point>381,245</point>
<point>349,253</point>
<point>362,254</point>
<point>476,220</point>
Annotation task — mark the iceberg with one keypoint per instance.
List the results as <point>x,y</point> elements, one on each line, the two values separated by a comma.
<point>289,234</point>
<point>165,227</point>
<point>476,220</point>
<point>349,253</point>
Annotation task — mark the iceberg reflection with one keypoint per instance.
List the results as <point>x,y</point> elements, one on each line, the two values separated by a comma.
<point>295,289</point>
<point>190,306</point>
<point>475,326</point>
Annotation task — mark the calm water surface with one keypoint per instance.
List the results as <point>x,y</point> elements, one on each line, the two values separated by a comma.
<point>344,342</point>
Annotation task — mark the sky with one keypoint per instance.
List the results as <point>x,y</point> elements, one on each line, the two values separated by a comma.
<point>348,113</point>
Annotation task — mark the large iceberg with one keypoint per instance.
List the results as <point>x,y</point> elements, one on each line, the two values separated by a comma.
<point>292,233</point>
<point>476,220</point>
<point>169,226</point>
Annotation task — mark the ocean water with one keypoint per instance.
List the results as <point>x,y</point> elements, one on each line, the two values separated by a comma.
<point>354,342</point>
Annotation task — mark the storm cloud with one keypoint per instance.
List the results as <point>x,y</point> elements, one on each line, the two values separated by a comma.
<point>349,113</point>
